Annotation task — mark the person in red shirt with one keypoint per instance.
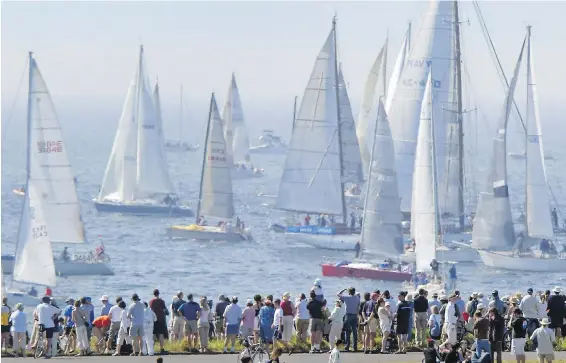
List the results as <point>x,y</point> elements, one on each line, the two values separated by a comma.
<point>100,326</point>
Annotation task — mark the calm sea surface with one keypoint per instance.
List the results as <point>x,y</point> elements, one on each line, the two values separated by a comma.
<point>144,259</point>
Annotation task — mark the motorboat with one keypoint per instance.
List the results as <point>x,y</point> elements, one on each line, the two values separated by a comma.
<point>269,144</point>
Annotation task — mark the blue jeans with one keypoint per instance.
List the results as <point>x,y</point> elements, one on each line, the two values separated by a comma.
<point>351,326</point>
<point>482,344</point>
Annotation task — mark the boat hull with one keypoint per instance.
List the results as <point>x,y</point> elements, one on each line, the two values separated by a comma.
<point>143,209</point>
<point>19,297</point>
<point>522,263</point>
<point>460,254</point>
<point>333,242</point>
<point>204,235</point>
<point>331,270</point>
<point>268,150</point>
<point>66,268</point>
<point>19,192</point>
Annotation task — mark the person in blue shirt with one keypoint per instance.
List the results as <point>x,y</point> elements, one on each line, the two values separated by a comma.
<point>452,278</point>
<point>266,315</point>
<point>105,310</point>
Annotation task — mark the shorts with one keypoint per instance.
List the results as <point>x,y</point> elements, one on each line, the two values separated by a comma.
<point>49,332</point>
<point>5,329</point>
<point>191,327</point>
<point>371,326</point>
<point>232,329</point>
<point>114,329</point>
<point>219,324</point>
<point>136,331</point>
<point>266,334</point>
<point>246,331</point>
<point>159,328</point>
<point>518,346</point>
<point>317,325</point>
<point>256,323</point>
<point>278,333</point>
<point>69,329</point>
<point>547,357</point>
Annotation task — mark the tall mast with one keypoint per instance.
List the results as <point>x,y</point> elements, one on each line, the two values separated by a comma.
<point>460,119</point>
<point>527,116</point>
<point>437,229</point>
<point>409,37</point>
<point>294,112</point>
<point>384,69</point>
<point>204,156</point>
<point>337,90</point>
<point>181,116</point>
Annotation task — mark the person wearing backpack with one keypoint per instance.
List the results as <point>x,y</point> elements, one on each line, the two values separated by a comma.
<point>435,324</point>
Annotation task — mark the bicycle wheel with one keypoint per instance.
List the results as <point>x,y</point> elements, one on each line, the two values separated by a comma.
<point>507,341</point>
<point>258,356</point>
<point>39,349</point>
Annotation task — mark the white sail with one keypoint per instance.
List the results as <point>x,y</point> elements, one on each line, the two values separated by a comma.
<point>311,180</point>
<point>351,160</point>
<point>538,200</point>
<point>34,257</point>
<point>493,226</point>
<point>424,208</point>
<point>157,103</point>
<point>137,167</point>
<point>52,172</point>
<point>381,230</point>
<point>431,51</point>
<point>398,69</point>
<point>367,106</point>
<point>233,115</point>
<point>228,127</point>
<point>217,197</point>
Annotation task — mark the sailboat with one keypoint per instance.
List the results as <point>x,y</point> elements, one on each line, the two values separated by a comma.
<point>237,140</point>
<point>215,192</point>
<point>51,212</point>
<point>381,231</point>
<point>315,170</point>
<point>269,143</point>
<point>494,234</point>
<point>136,180</point>
<point>178,145</point>
<point>425,213</point>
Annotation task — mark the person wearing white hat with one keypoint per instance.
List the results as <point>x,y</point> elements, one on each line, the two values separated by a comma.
<point>544,337</point>
<point>105,305</point>
<point>555,310</point>
<point>336,323</point>
<point>317,288</point>
<point>288,313</point>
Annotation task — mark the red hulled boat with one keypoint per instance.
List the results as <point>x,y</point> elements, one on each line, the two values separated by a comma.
<point>365,270</point>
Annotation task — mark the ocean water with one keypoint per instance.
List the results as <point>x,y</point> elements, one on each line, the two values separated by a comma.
<point>143,258</point>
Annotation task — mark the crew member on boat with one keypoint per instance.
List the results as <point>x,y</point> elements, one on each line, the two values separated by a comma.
<point>434,265</point>
<point>554,218</point>
<point>307,220</point>
<point>65,254</point>
<point>358,248</point>
<point>32,292</point>
<point>544,246</point>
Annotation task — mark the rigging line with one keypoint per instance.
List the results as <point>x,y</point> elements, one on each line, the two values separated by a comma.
<point>7,125</point>
<point>494,55</point>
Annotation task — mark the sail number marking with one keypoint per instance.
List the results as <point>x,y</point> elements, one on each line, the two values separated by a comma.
<point>533,139</point>
<point>50,146</point>
<point>39,232</point>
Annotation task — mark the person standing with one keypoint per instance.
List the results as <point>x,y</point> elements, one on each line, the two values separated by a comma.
<point>481,333</point>
<point>434,302</point>
<point>149,320</point>
<point>115,315</point>
<point>496,333</point>
<point>157,305</point>
<point>106,306</point>
<point>352,302</point>
<point>358,248</point>
<point>403,321</point>
<point>421,317</point>
<point>18,319</point>
<point>302,316</point>
<point>452,277</point>
<point>530,307</point>
<point>556,311</point>
<point>135,313</point>
<point>6,312</point>
<point>450,320</point>
<point>545,338</point>
<point>314,306</point>
<point>518,326</point>
<point>434,265</point>
<point>371,321</point>
<point>177,321</point>
<point>45,314</point>
<point>203,325</point>
<point>248,315</point>
<point>81,323</point>
<point>232,318</point>
<point>219,316</point>
<point>189,312</point>
<point>287,320</point>
<point>336,323</point>
<point>266,316</point>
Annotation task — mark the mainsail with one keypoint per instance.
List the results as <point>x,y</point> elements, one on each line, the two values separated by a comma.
<point>351,159</point>
<point>216,197</point>
<point>398,69</point>
<point>430,52</point>
<point>493,226</point>
<point>538,201</point>
<point>424,208</point>
<point>368,105</point>
<point>381,230</point>
<point>237,139</point>
<point>311,180</point>
<point>52,174</point>
<point>137,167</point>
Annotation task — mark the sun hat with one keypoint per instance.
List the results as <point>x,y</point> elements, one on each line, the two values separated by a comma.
<point>286,295</point>
<point>249,302</point>
<point>545,321</point>
<point>104,298</point>
<point>317,282</point>
<point>557,289</point>
<point>20,306</point>
<point>480,306</point>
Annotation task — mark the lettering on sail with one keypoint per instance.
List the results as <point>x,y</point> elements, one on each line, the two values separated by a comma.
<point>418,63</point>
<point>411,83</point>
<point>50,146</point>
<point>39,232</point>
<point>533,139</point>
<point>221,154</point>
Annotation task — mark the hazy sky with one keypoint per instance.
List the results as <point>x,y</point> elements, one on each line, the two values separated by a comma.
<point>87,50</point>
